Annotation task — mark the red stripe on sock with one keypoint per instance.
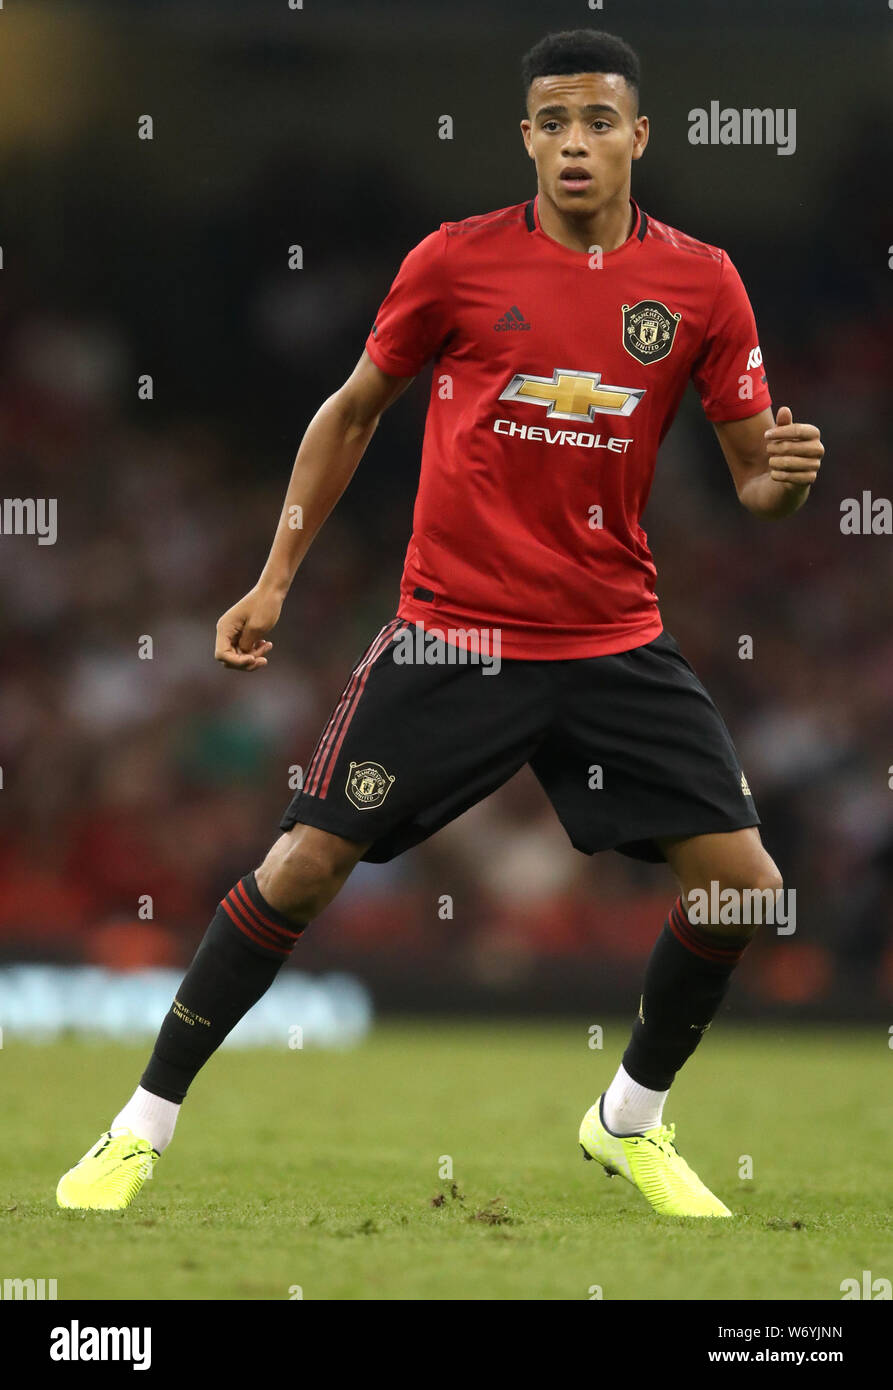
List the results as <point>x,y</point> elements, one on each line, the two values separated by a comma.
<point>246,930</point>
<point>264,934</point>
<point>255,915</point>
<point>693,940</point>
<point>677,915</point>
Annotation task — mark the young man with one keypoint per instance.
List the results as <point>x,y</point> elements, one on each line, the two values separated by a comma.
<point>564,332</point>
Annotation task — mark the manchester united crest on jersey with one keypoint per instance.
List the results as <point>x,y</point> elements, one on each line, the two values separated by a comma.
<point>367,785</point>
<point>649,330</point>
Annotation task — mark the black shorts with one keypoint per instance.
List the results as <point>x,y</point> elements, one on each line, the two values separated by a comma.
<point>629,748</point>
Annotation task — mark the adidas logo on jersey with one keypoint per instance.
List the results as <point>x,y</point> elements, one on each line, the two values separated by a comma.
<point>513,318</point>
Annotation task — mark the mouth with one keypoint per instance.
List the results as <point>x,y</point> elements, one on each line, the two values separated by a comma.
<point>575,178</point>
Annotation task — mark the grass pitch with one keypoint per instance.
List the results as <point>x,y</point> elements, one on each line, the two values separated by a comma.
<point>320,1171</point>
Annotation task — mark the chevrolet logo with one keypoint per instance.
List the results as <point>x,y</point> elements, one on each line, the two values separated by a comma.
<point>573,395</point>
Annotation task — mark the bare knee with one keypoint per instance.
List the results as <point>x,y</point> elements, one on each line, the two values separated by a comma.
<point>304,870</point>
<point>738,901</point>
<point>736,861</point>
<point>766,878</point>
<point>757,874</point>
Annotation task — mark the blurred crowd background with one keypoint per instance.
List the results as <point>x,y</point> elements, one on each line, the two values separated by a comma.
<point>124,777</point>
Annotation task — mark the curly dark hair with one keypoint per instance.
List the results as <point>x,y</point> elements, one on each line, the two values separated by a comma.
<point>580,50</point>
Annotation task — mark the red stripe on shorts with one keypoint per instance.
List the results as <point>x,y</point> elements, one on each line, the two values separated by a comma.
<point>319,773</point>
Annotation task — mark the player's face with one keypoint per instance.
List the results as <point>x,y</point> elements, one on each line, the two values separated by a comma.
<point>582,132</point>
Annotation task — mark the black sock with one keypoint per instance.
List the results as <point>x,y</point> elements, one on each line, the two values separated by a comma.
<point>686,980</point>
<point>238,959</point>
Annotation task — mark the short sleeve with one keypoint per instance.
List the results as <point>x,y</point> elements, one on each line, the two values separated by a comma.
<point>411,324</point>
<point>729,373</point>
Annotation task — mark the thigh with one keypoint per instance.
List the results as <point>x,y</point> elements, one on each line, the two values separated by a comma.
<point>412,744</point>
<point>640,754</point>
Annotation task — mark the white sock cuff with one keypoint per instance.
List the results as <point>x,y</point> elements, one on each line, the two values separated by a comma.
<point>630,1108</point>
<point>150,1117</point>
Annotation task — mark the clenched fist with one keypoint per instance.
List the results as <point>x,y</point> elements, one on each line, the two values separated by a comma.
<point>241,632</point>
<point>795,451</point>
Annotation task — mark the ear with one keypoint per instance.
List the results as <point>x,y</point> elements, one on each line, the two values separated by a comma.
<point>641,131</point>
<point>526,129</point>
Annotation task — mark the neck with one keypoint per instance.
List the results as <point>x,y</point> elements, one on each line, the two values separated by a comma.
<point>608,227</point>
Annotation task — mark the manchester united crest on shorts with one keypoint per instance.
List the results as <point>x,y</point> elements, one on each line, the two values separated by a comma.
<point>367,785</point>
<point>649,330</point>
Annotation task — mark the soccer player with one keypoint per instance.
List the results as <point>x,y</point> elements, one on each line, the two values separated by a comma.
<point>564,331</point>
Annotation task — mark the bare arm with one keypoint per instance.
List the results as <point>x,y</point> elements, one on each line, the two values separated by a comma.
<point>333,444</point>
<point>773,463</point>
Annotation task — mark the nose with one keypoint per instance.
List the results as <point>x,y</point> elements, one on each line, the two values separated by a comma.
<point>574,142</point>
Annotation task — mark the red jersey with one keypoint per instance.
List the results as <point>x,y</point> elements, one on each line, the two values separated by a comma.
<point>555,380</point>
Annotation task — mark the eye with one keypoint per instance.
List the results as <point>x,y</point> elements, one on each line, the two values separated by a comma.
<point>550,125</point>
<point>606,125</point>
